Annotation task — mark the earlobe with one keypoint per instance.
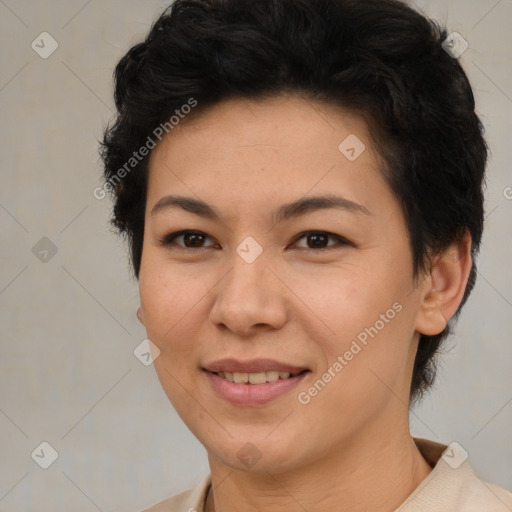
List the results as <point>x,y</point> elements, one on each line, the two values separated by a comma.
<point>443,290</point>
<point>140,316</point>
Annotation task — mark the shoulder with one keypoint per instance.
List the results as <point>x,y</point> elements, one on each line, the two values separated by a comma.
<point>452,484</point>
<point>478,495</point>
<point>172,504</point>
<point>191,500</point>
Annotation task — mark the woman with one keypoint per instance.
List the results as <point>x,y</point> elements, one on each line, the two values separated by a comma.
<point>300,184</point>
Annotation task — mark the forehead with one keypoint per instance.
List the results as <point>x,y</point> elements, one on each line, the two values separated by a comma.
<point>306,126</point>
<point>245,153</point>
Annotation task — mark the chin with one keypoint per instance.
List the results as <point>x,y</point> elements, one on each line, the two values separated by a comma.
<point>254,454</point>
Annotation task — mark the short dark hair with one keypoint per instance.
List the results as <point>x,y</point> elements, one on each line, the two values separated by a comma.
<point>379,58</point>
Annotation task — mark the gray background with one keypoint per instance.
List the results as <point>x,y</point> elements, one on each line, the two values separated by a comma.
<point>68,375</point>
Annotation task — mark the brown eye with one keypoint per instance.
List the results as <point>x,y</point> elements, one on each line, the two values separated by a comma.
<point>193,239</point>
<point>317,240</point>
<point>190,239</point>
<point>320,240</point>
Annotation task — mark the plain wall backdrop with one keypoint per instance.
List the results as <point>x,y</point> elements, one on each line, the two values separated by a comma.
<point>68,375</point>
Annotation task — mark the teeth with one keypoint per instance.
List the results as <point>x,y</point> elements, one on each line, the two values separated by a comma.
<point>257,378</point>
<point>254,378</point>
<point>271,376</point>
<point>240,377</point>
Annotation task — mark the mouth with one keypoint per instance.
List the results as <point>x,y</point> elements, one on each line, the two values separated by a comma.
<point>258,377</point>
<point>253,383</point>
<point>254,366</point>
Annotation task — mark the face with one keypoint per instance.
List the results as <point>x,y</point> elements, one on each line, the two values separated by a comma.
<point>267,248</point>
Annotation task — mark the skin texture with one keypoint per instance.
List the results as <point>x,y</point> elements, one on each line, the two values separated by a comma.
<point>350,447</point>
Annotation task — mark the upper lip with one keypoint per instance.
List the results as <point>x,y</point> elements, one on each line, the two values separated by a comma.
<point>251,366</point>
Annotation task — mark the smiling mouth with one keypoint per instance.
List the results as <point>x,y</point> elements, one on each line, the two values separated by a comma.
<point>263,381</point>
<point>257,378</point>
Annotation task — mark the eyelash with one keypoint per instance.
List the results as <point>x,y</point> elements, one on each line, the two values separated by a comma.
<point>169,240</point>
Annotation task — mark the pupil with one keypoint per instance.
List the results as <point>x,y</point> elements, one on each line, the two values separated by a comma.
<point>193,239</point>
<point>318,240</point>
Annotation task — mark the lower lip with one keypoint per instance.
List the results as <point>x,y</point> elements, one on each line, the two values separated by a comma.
<point>252,394</point>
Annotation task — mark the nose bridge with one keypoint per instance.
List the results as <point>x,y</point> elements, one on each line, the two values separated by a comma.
<point>248,276</point>
<point>249,294</point>
<point>247,261</point>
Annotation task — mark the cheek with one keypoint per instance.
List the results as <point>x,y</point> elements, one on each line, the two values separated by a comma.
<point>348,300</point>
<point>370,326</point>
<point>173,307</point>
<point>170,297</point>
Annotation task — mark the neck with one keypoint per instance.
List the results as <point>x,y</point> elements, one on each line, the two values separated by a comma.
<point>373,472</point>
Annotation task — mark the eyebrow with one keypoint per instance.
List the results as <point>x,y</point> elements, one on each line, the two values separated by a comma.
<point>285,212</point>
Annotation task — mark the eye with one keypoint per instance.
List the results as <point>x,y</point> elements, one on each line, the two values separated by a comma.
<point>319,240</point>
<point>190,239</point>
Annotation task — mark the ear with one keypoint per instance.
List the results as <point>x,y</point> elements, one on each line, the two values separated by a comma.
<point>140,316</point>
<point>443,289</point>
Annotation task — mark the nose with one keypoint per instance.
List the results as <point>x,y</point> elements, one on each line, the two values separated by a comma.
<point>249,299</point>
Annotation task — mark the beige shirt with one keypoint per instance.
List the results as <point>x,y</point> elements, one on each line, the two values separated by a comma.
<point>450,487</point>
